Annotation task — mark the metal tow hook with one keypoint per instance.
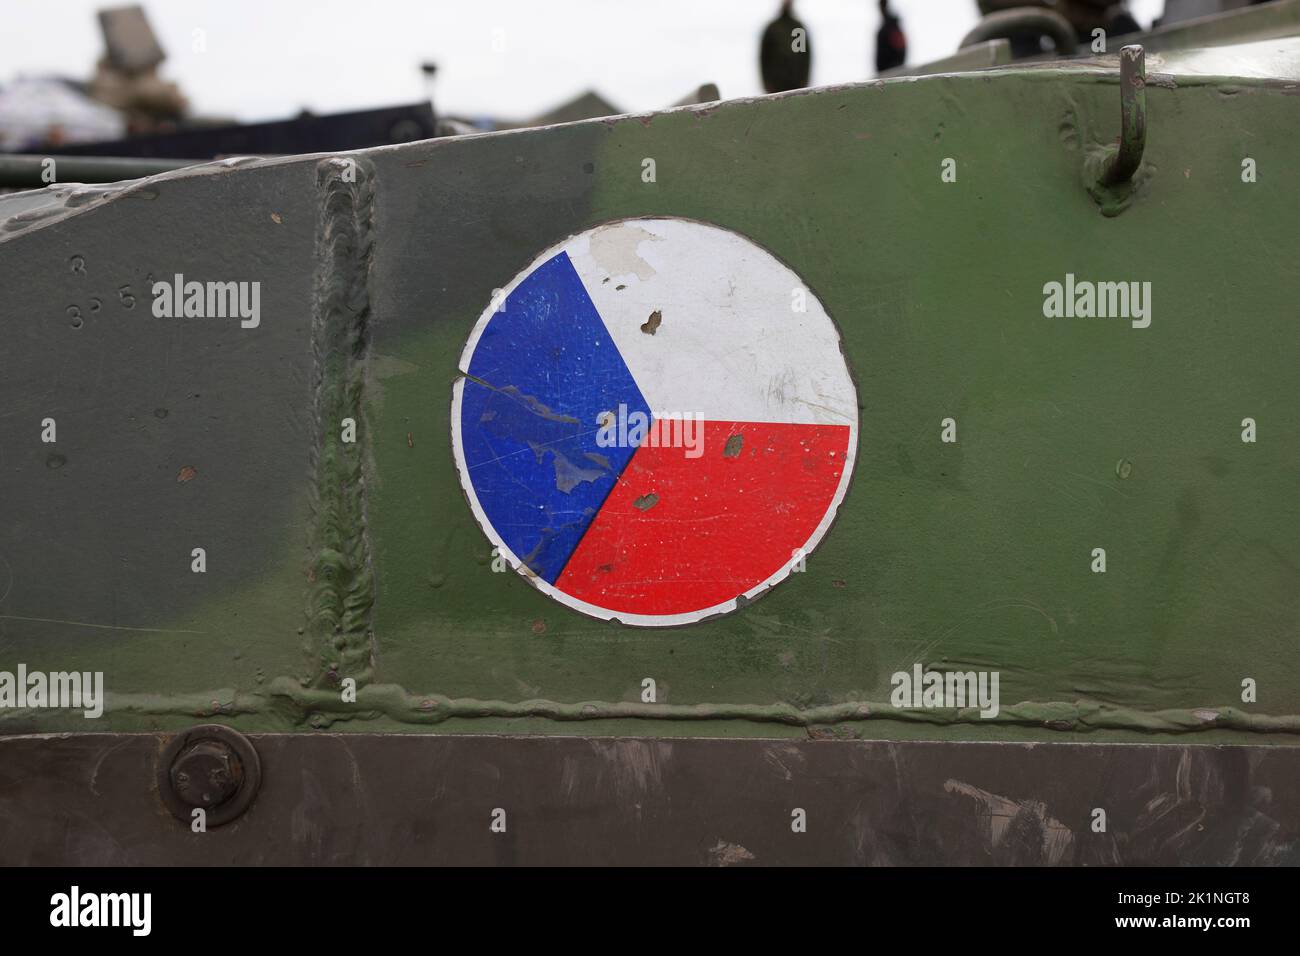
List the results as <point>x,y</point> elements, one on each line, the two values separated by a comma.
<point>1133,117</point>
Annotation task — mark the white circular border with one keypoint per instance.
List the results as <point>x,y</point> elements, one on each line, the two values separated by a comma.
<point>550,590</point>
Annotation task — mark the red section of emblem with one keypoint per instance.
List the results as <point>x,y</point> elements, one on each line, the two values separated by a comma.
<point>680,534</point>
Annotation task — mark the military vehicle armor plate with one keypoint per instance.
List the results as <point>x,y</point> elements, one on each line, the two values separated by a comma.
<point>1063,291</point>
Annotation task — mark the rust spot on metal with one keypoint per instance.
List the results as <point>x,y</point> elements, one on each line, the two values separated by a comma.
<point>837,583</point>
<point>606,569</point>
<point>732,448</point>
<point>651,325</point>
<point>187,473</point>
<point>728,854</point>
<point>539,626</point>
<point>646,502</point>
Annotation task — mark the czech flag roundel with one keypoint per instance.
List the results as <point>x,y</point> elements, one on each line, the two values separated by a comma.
<point>654,421</point>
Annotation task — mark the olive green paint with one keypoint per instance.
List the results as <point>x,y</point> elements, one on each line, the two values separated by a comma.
<point>966,556</point>
<point>963,556</point>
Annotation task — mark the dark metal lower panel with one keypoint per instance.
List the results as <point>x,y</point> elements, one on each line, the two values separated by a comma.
<point>385,799</point>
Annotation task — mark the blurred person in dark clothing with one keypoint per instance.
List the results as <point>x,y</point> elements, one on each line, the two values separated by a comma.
<point>891,44</point>
<point>785,55</point>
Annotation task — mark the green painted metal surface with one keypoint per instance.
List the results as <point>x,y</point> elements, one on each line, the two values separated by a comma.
<point>327,561</point>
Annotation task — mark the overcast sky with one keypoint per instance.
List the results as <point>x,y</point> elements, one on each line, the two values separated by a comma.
<point>265,59</point>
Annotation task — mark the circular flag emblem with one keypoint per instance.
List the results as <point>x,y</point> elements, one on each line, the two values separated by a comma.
<point>654,421</point>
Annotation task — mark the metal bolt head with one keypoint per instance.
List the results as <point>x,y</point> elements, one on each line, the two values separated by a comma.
<point>206,774</point>
<point>212,767</point>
